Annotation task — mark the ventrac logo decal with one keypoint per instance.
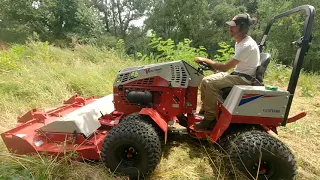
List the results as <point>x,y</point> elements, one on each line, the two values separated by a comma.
<point>156,70</point>
<point>271,110</point>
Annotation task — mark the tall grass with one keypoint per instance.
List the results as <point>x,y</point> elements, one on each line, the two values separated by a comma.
<point>279,75</point>
<point>41,167</point>
<point>43,76</point>
<point>40,75</point>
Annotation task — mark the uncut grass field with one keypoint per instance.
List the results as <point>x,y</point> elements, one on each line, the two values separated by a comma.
<point>43,76</point>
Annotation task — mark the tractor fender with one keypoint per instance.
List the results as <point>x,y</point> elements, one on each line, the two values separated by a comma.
<point>222,125</point>
<point>157,118</point>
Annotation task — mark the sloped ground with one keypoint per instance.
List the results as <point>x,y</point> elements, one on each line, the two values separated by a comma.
<point>44,79</point>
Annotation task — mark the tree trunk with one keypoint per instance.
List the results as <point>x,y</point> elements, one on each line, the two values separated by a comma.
<point>114,17</point>
<point>106,21</point>
<point>120,18</point>
<point>106,18</point>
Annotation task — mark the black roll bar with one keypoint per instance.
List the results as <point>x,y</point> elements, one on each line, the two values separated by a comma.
<point>303,46</point>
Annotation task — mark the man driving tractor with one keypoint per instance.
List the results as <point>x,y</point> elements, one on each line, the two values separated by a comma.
<point>245,62</point>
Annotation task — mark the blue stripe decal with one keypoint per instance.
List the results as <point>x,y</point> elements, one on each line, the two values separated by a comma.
<point>245,101</point>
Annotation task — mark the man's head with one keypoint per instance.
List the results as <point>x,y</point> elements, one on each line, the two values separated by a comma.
<point>240,24</point>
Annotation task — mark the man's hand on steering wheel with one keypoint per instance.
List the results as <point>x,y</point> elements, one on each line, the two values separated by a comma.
<point>202,63</point>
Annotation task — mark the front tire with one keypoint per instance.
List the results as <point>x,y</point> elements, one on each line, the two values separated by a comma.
<point>132,148</point>
<point>252,148</point>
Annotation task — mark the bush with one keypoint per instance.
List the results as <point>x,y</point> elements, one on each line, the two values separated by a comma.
<point>9,60</point>
<point>167,50</point>
<point>225,53</point>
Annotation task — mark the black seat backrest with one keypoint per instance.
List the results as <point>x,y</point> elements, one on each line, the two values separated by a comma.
<point>265,60</point>
<point>260,71</point>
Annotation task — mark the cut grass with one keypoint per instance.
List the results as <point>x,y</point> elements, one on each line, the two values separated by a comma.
<point>45,78</point>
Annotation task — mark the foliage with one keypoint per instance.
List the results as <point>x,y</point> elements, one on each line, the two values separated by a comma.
<point>106,40</point>
<point>167,50</point>
<point>136,41</point>
<point>287,30</point>
<point>104,22</point>
<point>119,14</point>
<point>225,53</point>
<point>52,19</point>
<point>120,48</point>
<point>202,21</point>
<point>170,19</point>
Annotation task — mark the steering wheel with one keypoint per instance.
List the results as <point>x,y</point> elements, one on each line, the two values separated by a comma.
<point>204,66</point>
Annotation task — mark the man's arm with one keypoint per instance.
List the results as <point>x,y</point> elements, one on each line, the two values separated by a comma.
<point>218,66</point>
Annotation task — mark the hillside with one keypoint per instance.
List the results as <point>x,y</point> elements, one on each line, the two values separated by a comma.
<point>40,75</point>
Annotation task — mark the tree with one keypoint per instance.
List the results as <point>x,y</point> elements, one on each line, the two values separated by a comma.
<point>52,19</point>
<point>178,19</point>
<point>201,21</point>
<point>118,14</point>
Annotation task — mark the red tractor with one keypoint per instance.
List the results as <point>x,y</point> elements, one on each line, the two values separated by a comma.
<point>125,129</point>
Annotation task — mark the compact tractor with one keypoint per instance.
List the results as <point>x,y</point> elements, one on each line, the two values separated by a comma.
<point>126,129</point>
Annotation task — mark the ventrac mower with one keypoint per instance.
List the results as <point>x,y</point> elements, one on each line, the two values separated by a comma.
<point>126,129</point>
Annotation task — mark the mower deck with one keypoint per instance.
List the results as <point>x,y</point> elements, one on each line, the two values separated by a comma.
<point>51,132</point>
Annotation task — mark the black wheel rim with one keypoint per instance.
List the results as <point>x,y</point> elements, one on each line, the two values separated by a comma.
<point>128,156</point>
<point>266,169</point>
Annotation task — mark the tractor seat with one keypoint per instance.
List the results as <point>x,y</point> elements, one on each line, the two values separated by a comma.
<point>260,72</point>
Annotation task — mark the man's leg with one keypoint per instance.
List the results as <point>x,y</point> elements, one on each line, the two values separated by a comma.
<point>212,90</point>
<point>203,86</point>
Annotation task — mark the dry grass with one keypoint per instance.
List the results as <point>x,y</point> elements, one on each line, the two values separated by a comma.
<point>89,71</point>
<point>303,137</point>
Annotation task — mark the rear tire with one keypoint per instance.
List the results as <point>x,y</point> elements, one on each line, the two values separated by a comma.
<point>277,161</point>
<point>132,148</point>
<point>235,130</point>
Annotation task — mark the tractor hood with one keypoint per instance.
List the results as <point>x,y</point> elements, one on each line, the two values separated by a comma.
<point>177,73</point>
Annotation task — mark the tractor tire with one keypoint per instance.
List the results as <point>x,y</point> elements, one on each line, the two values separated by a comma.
<point>138,117</point>
<point>233,131</point>
<point>147,119</point>
<point>132,148</point>
<point>276,160</point>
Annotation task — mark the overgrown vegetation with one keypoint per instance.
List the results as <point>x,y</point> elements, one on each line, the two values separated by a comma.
<point>43,76</point>
<point>167,50</point>
<point>52,49</point>
<point>104,22</point>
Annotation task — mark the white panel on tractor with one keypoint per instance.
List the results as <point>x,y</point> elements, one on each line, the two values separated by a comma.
<point>83,120</point>
<point>178,73</point>
<point>256,101</point>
